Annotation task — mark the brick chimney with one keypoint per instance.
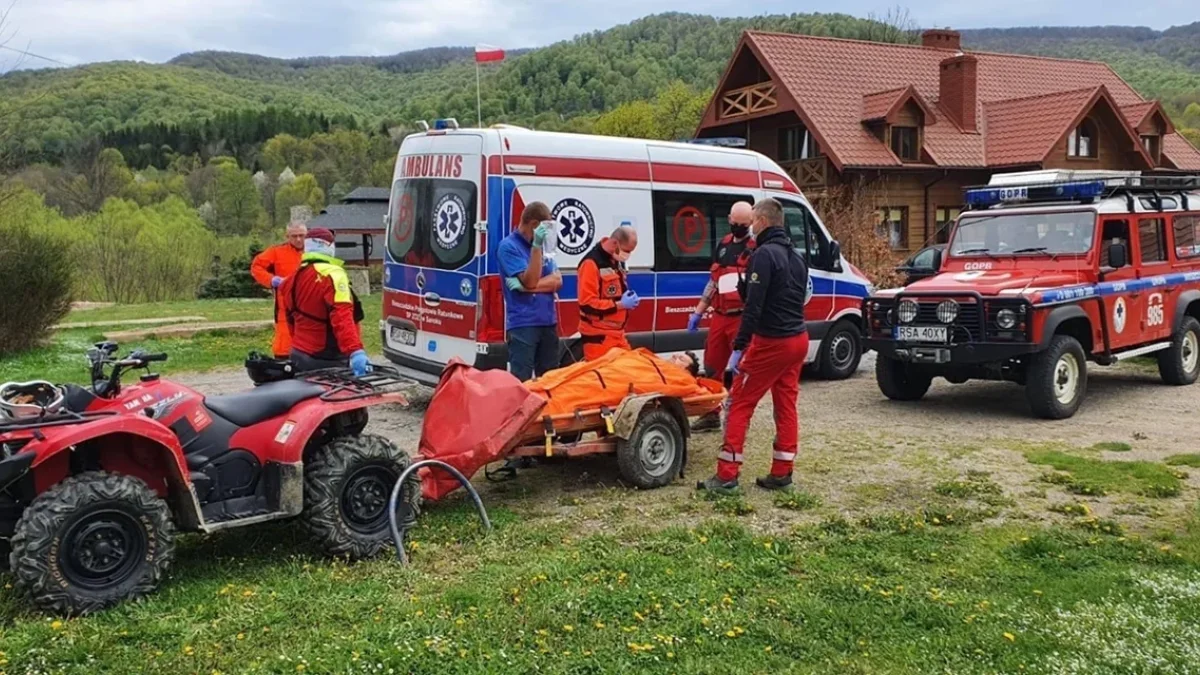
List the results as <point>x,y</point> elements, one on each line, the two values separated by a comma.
<point>957,92</point>
<point>942,38</point>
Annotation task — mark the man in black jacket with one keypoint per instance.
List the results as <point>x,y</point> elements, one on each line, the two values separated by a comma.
<point>769,351</point>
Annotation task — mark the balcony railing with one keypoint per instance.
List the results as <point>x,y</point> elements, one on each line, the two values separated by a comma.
<point>748,100</point>
<point>809,173</point>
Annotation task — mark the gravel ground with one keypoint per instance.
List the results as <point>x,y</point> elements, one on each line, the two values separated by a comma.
<point>861,453</point>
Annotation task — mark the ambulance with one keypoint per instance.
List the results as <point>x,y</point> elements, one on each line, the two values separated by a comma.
<point>456,193</point>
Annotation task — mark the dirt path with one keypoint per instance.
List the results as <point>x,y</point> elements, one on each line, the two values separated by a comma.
<point>862,454</point>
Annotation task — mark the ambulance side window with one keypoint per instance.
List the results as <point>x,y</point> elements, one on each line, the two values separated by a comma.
<point>806,235</point>
<point>686,227</point>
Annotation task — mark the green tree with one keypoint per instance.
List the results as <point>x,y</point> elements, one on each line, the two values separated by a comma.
<point>304,191</point>
<point>285,150</point>
<point>633,120</point>
<point>237,207</point>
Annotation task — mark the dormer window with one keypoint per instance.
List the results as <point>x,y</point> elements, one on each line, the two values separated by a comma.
<point>1082,142</point>
<point>1152,143</point>
<point>906,143</point>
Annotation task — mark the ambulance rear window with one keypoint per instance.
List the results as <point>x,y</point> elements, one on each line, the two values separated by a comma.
<point>432,222</point>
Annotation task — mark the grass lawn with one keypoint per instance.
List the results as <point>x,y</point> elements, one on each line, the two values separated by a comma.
<point>63,359</point>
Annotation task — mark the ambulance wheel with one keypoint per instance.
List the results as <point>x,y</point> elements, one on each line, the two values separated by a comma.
<point>841,351</point>
<point>1179,364</point>
<point>898,382</point>
<point>653,455</point>
<point>1056,381</point>
<point>347,486</point>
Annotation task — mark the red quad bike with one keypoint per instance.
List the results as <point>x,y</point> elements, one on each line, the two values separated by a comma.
<point>95,482</point>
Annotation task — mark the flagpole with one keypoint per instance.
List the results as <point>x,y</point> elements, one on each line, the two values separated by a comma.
<point>478,96</point>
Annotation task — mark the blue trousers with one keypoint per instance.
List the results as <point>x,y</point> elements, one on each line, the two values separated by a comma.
<point>532,350</point>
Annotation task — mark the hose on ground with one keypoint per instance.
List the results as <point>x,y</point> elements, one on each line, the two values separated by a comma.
<point>397,532</point>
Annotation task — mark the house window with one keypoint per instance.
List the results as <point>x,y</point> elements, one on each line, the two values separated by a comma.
<point>1082,142</point>
<point>905,144</point>
<point>796,143</point>
<point>1187,236</point>
<point>945,217</point>
<point>1151,143</point>
<point>893,224</point>
<point>1152,236</point>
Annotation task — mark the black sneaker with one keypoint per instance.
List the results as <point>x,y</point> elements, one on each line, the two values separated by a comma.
<point>710,422</point>
<point>774,482</point>
<point>715,484</point>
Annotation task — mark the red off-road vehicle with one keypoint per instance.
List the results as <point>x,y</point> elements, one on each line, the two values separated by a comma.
<point>95,482</point>
<point>1044,273</point>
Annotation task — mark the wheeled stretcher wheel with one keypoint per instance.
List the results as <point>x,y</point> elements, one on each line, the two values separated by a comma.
<point>653,455</point>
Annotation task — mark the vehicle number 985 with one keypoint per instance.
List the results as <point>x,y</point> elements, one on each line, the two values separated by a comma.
<point>1154,315</point>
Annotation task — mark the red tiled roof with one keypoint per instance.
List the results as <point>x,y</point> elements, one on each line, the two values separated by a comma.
<point>1023,130</point>
<point>830,80</point>
<point>882,105</point>
<point>1183,155</point>
<point>1138,112</point>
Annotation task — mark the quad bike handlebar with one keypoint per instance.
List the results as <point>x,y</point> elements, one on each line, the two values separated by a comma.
<point>100,357</point>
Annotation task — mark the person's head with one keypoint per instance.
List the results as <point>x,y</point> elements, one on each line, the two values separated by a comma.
<point>534,214</point>
<point>688,361</point>
<point>621,244</point>
<point>296,233</point>
<point>767,214</point>
<point>740,217</point>
<point>320,240</point>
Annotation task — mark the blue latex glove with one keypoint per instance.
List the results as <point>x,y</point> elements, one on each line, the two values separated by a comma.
<point>360,363</point>
<point>735,360</point>
<point>629,301</point>
<point>276,282</point>
<point>514,284</point>
<point>539,235</point>
<point>694,322</point>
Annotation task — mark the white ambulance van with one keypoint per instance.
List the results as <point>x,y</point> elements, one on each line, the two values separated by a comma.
<point>456,193</point>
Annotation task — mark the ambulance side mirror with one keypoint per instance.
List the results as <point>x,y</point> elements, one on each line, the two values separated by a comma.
<point>835,252</point>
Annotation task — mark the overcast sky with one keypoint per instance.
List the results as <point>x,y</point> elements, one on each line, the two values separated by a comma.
<point>80,31</point>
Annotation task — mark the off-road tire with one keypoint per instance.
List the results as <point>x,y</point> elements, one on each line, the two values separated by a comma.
<point>841,352</point>
<point>1185,344</point>
<point>897,382</point>
<point>1046,374</point>
<point>42,559</point>
<point>653,455</point>
<point>368,466</point>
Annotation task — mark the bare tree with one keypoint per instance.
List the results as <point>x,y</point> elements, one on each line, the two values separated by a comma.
<point>897,25</point>
<point>851,212</point>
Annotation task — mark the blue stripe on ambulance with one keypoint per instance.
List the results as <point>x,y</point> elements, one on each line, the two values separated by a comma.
<point>1072,293</point>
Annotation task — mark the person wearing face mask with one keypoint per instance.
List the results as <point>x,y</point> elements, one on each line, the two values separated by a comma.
<point>768,352</point>
<point>323,314</point>
<point>605,299</point>
<point>721,294</point>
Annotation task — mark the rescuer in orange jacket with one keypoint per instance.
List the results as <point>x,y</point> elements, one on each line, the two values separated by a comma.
<point>604,296</point>
<point>322,312</point>
<point>270,268</point>
<point>721,294</point>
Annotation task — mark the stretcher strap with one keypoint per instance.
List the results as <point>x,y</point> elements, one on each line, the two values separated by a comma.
<point>548,430</point>
<point>606,414</point>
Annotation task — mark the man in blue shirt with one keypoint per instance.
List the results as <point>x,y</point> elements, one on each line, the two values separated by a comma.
<point>530,282</point>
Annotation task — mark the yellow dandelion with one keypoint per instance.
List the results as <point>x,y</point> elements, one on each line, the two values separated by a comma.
<point>599,624</point>
<point>703,540</point>
<point>1010,637</point>
<point>56,625</point>
<point>187,649</point>
<point>300,667</point>
<point>241,636</point>
<point>569,629</point>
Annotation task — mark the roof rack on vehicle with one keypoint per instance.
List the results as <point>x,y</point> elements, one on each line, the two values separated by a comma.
<point>1083,187</point>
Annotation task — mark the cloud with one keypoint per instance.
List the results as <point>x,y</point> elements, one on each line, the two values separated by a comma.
<point>78,31</point>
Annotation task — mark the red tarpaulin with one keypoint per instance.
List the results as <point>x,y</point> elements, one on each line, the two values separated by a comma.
<point>473,419</point>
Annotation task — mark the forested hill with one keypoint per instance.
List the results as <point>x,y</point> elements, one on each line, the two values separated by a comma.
<point>565,85</point>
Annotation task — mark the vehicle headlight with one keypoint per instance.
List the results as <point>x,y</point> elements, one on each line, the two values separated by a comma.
<point>947,311</point>
<point>1006,319</point>
<point>907,311</point>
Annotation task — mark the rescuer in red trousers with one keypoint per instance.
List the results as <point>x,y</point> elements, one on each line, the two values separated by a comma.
<point>769,351</point>
<point>730,258</point>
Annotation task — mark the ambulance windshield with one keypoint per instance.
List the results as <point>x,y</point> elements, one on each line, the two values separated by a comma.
<point>431,222</point>
<point>1059,233</point>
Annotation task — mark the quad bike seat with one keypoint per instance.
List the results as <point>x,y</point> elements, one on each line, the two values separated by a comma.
<point>263,402</point>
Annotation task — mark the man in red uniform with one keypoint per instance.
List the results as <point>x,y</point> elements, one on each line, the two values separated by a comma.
<point>721,293</point>
<point>322,312</point>
<point>269,269</point>
<point>775,344</point>
<point>604,296</point>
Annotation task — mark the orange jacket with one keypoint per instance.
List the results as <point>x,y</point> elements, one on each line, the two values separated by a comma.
<point>601,285</point>
<point>278,261</point>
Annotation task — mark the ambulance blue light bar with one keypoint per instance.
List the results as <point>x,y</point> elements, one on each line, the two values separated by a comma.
<point>1081,191</point>
<point>441,125</point>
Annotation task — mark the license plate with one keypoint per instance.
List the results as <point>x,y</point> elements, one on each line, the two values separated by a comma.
<point>404,336</point>
<point>921,333</point>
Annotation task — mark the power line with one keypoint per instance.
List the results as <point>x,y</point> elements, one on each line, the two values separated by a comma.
<point>22,52</point>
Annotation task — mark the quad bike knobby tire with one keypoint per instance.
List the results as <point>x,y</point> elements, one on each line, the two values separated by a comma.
<point>653,455</point>
<point>92,541</point>
<point>346,489</point>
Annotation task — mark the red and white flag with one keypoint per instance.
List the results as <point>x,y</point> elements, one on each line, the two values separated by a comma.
<point>488,54</point>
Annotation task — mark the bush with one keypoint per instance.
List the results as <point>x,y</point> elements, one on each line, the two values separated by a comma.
<point>233,280</point>
<point>35,274</point>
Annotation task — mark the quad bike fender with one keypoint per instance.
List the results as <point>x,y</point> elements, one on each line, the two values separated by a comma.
<point>125,444</point>
<point>283,439</point>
